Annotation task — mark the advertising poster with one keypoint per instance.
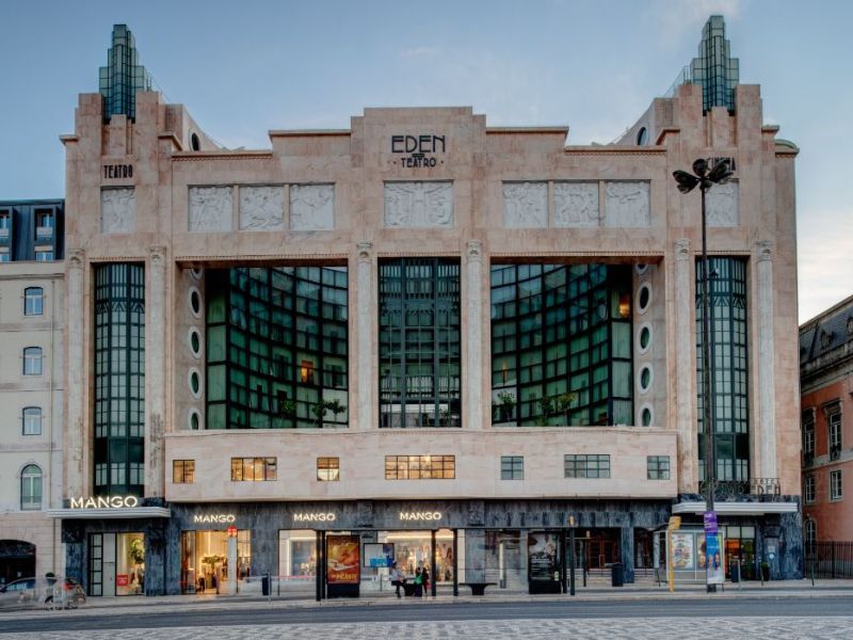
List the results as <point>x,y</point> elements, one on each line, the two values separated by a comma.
<point>378,554</point>
<point>342,560</point>
<point>682,550</point>
<point>543,556</point>
<point>714,560</point>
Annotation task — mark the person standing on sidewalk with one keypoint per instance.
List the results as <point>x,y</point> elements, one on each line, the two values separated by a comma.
<point>397,578</point>
<point>425,580</point>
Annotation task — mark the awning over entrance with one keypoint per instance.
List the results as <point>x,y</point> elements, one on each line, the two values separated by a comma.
<point>110,514</point>
<point>736,508</point>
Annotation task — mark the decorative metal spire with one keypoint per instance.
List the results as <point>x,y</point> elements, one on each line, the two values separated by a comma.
<point>122,77</point>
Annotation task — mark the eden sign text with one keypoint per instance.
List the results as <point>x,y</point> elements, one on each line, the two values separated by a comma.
<point>417,149</point>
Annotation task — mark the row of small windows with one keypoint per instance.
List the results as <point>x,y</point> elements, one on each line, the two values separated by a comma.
<point>420,467</point>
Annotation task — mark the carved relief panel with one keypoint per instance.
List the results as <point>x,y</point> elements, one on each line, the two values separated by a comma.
<point>118,210</point>
<point>576,204</point>
<point>525,204</point>
<point>312,207</point>
<point>262,208</point>
<point>419,204</point>
<point>211,209</point>
<point>627,204</point>
<point>721,202</point>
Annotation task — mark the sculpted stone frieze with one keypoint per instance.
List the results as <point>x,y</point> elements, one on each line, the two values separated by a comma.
<point>118,210</point>
<point>262,208</point>
<point>312,207</point>
<point>419,204</point>
<point>721,204</point>
<point>576,204</point>
<point>525,204</point>
<point>627,204</point>
<point>211,209</point>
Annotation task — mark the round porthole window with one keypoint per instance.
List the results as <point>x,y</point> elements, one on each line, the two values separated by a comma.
<point>195,302</point>
<point>646,378</point>
<point>644,298</point>
<point>644,337</point>
<point>195,342</point>
<point>195,382</point>
<point>195,420</point>
<point>646,416</point>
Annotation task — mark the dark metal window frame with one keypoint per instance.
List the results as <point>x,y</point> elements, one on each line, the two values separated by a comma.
<point>258,469</point>
<point>657,467</point>
<point>512,467</point>
<point>328,469</point>
<point>34,301</point>
<point>183,471</point>
<point>420,467</point>
<point>587,465</point>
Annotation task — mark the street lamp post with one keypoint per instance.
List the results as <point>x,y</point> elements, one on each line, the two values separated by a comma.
<point>704,177</point>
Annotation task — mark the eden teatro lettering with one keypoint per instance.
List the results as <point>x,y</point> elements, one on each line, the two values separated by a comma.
<point>418,147</point>
<point>112,171</point>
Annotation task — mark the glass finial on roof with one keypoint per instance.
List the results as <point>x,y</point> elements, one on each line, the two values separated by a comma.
<point>714,69</point>
<point>122,77</point>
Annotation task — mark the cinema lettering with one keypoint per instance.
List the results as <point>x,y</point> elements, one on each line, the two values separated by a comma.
<point>418,151</point>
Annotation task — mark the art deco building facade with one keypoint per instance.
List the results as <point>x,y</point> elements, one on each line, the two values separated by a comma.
<point>32,374</point>
<point>426,337</point>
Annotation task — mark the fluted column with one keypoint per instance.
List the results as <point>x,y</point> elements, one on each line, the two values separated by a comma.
<point>473,391</point>
<point>155,378</point>
<point>765,366</point>
<point>364,336</point>
<point>685,368</point>
<point>76,445</point>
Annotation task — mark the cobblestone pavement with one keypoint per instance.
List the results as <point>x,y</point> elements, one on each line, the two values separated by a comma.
<point>757,628</point>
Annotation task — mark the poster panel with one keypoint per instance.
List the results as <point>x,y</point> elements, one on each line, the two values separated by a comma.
<point>378,554</point>
<point>543,555</point>
<point>342,559</point>
<point>682,550</point>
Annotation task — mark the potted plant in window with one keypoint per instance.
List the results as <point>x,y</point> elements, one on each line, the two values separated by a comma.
<point>506,406</point>
<point>335,407</point>
<point>563,402</point>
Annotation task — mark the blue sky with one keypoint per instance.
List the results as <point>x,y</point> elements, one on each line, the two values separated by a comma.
<point>245,68</point>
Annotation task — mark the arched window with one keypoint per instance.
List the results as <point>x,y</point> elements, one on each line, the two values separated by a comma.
<point>32,361</point>
<point>32,421</point>
<point>33,301</point>
<point>810,537</point>
<point>31,488</point>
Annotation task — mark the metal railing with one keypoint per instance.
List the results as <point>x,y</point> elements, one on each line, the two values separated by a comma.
<point>829,560</point>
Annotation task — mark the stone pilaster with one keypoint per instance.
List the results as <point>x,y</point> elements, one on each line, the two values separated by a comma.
<point>473,391</point>
<point>364,337</point>
<point>155,351</point>
<point>764,359</point>
<point>76,445</point>
<point>685,368</point>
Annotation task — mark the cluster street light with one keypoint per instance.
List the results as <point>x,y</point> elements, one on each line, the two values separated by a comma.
<point>704,176</point>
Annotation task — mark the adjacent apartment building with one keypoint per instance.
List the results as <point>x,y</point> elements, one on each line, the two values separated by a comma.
<point>826,374</point>
<point>32,380</point>
<point>423,338</point>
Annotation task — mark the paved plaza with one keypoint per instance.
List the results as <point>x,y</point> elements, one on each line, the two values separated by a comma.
<point>627,628</point>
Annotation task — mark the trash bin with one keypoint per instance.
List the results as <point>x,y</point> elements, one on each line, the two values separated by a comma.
<point>617,574</point>
<point>265,585</point>
<point>734,571</point>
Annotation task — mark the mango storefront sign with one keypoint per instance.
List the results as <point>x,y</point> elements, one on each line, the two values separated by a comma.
<point>105,502</point>
<point>416,516</point>
<point>214,518</point>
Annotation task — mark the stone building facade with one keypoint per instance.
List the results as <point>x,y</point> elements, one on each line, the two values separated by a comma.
<point>422,337</point>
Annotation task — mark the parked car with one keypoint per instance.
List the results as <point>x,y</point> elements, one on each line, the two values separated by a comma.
<point>19,593</point>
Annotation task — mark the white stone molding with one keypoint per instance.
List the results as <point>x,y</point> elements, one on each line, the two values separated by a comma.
<point>685,367</point>
<point>627,204</point>
<point>211,209</point>
<point>419,204</point>
<point>118,210</point>
<point>76,462</point>
<point>525,204</point>
<point>576,204</point>
<point>763,313</point>
<point>722,205</point>
<point>155,363</point>
<point>262,208</point>
<point>312,207</point>
<point>364,335</point>
<point>474,335</point>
